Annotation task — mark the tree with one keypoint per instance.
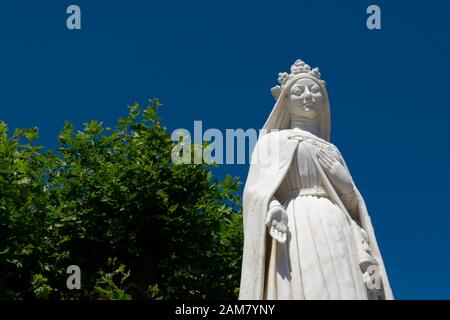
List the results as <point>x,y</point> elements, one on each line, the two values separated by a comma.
<point>112,202</point>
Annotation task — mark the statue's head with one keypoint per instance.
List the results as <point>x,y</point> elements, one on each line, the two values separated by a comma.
<point>304,98</point>
<point>300,93</point>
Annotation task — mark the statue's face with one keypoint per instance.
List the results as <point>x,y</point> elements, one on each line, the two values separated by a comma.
<point>305,98</point>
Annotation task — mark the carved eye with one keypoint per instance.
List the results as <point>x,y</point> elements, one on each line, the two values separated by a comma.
<point>298,91</point>
<point>315,88</point>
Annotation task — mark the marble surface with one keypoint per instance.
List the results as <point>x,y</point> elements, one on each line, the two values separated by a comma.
<point>307,231</point>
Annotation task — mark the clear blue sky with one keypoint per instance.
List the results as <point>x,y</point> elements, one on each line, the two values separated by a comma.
<point>216,62</point>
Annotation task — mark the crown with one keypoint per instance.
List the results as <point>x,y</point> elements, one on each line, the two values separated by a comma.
<point>297,68</point>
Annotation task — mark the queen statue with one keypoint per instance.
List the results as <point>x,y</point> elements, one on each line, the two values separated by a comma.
<point>307,232</point>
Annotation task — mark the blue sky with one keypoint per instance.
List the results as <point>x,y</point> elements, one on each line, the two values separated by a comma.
<point>216,62</point>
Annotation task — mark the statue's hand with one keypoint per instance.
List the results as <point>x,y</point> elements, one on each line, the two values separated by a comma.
<point>337,173</point>
<point>277,222</point>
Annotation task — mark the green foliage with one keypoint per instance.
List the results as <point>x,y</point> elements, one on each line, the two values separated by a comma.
<point>106,285</point>
<point>112,202</point>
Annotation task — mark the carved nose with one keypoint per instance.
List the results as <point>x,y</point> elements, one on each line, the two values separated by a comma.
<point>308,96</point>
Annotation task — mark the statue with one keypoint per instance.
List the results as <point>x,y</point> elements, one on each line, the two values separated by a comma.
<point>307,232</point>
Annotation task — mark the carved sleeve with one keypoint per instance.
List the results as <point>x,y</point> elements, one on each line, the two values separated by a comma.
<point>274,202</point>
<point>350,201</point>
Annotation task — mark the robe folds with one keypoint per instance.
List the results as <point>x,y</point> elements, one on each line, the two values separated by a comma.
<point>273,157</point>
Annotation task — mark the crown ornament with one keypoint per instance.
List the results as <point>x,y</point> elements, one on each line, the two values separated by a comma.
<point>297,68</point>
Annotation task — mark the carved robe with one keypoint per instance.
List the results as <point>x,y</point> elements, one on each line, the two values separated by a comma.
<point>323,255</point>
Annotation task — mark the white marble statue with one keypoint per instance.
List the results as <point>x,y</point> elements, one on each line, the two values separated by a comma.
<point>307,232</point>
